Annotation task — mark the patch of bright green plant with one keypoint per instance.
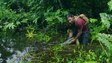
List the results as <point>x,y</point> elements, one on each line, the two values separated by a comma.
<point>41,37</point>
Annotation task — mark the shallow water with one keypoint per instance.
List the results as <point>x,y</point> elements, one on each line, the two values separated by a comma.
<point>13,49</point>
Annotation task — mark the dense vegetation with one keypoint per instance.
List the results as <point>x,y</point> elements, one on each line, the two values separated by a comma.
<point>44,21</point>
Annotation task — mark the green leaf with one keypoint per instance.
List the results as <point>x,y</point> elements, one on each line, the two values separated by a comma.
<point>35,21</point>
<point>24,20</point>
<point>9,26</point>
<point>92,20</point>
<point>105,39</point>
<point>90,62</point>
<point>104,20</point>
<point>110,5</point>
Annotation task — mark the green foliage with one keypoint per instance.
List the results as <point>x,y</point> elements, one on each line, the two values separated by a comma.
<point>69,55</point>
<point>103,38</point>
<point>9,26</point>
<point>90,62</point>
<point>105,21</point>
<point>105,25</point>
<point>30,32</point>
<point>110,5</point>
<point>106,39</point>
<point>41,37</point>
<point>55,17</point>
<point>94,29</point>
<point>102,25</point>
<point>92,20</point>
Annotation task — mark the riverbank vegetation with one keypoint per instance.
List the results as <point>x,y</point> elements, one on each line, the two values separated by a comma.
<point>43,22</point>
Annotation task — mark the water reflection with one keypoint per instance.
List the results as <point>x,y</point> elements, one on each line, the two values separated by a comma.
<point>19,56</point>
<point>13,50</point>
